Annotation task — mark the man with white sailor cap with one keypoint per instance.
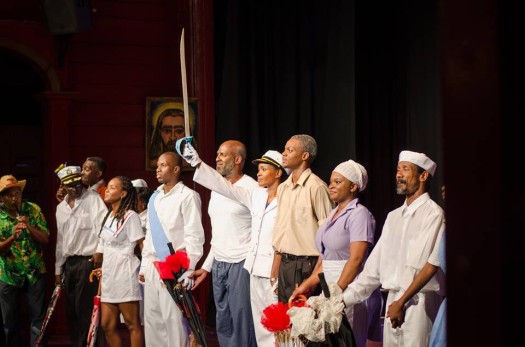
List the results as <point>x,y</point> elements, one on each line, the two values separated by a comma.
<point>410,237</point>
<point>79,219</point>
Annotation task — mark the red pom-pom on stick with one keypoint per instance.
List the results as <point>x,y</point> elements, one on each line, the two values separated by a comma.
<point>177,261</point>
<point>274,317</point>
<point>164,271</point>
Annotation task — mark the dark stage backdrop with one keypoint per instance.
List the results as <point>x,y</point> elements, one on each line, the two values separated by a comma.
<point>362,82</point>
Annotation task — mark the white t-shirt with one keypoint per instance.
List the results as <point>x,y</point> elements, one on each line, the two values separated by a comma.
<point>230,225</point>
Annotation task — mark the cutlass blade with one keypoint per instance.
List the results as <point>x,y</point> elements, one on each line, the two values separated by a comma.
<point>187,132</point>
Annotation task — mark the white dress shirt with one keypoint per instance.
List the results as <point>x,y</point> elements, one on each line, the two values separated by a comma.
<point>78,227</point>
<point>179,212</point>
<point>410,236</point>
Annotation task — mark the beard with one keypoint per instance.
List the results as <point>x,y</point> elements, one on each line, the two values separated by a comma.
<point>169,147</point>
<point>227,169</point>
<point>401,187</point>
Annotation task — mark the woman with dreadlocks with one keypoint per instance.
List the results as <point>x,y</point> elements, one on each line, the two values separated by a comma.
<point>121,291</point>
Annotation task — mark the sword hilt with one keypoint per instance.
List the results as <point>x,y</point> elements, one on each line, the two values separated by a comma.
<point>180,142</point>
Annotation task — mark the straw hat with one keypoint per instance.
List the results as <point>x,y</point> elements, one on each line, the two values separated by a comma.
<point>9,181</point>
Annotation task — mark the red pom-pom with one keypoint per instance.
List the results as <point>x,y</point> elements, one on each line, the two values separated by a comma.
<point>177,261</point>
<point>274,317</point>
<point>300,301</point>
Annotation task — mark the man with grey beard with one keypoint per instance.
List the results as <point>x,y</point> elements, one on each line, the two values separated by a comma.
<point>410,238</point>
<point>230,243</point>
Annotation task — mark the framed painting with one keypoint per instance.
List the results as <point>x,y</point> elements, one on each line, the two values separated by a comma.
<point>165,125</point>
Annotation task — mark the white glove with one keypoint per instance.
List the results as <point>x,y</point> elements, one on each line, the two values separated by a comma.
<point>190,155</point>
<point>186,281</point>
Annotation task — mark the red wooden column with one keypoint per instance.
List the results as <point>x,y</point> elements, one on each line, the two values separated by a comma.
<point>55,117</point>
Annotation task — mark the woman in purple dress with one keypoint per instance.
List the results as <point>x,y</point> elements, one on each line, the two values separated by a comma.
<point>344,241</point>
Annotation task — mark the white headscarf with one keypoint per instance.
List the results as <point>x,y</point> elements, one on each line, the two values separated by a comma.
<point>355,172</point>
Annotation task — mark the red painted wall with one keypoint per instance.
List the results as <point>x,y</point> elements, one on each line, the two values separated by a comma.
<point>95,103</point>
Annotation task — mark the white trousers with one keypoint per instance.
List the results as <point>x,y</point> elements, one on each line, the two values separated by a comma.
<point>420,312</point>
<point>164,325</point>
<point>261,296</point>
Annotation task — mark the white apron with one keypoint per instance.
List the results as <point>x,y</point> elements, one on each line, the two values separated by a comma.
<point>357,314</point>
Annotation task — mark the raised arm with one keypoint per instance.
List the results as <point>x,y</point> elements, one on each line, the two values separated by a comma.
<point>208,177</point>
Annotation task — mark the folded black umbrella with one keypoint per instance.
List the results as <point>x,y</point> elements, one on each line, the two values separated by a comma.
<point>190,310</point>
<point>345,335</point>
<point>170,271</point>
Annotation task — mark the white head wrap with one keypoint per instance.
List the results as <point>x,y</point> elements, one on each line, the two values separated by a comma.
<point>355,172</point>
<point>420,159</point>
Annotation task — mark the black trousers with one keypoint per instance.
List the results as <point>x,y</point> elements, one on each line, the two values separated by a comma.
<point>292,272</point>
<point>79,294</point>
<point>10,306</point>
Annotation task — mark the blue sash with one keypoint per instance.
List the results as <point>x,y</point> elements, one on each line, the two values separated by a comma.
<point>158,236</point>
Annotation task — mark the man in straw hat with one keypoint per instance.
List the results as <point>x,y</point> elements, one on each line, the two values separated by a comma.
<point>23,231</point>
<point>410,237</point>
<point>79,217</point>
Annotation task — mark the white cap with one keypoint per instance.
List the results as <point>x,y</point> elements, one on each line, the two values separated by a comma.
<point>419,159</point>
<point>139,183</point>
<point>272,157</point>
<point>69,174</point>
<point>353,171</point>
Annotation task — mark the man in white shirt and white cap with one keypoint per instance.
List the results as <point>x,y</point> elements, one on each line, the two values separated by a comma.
<point>143,195</point>
<point>410,236</point>
<point>79,219</point>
